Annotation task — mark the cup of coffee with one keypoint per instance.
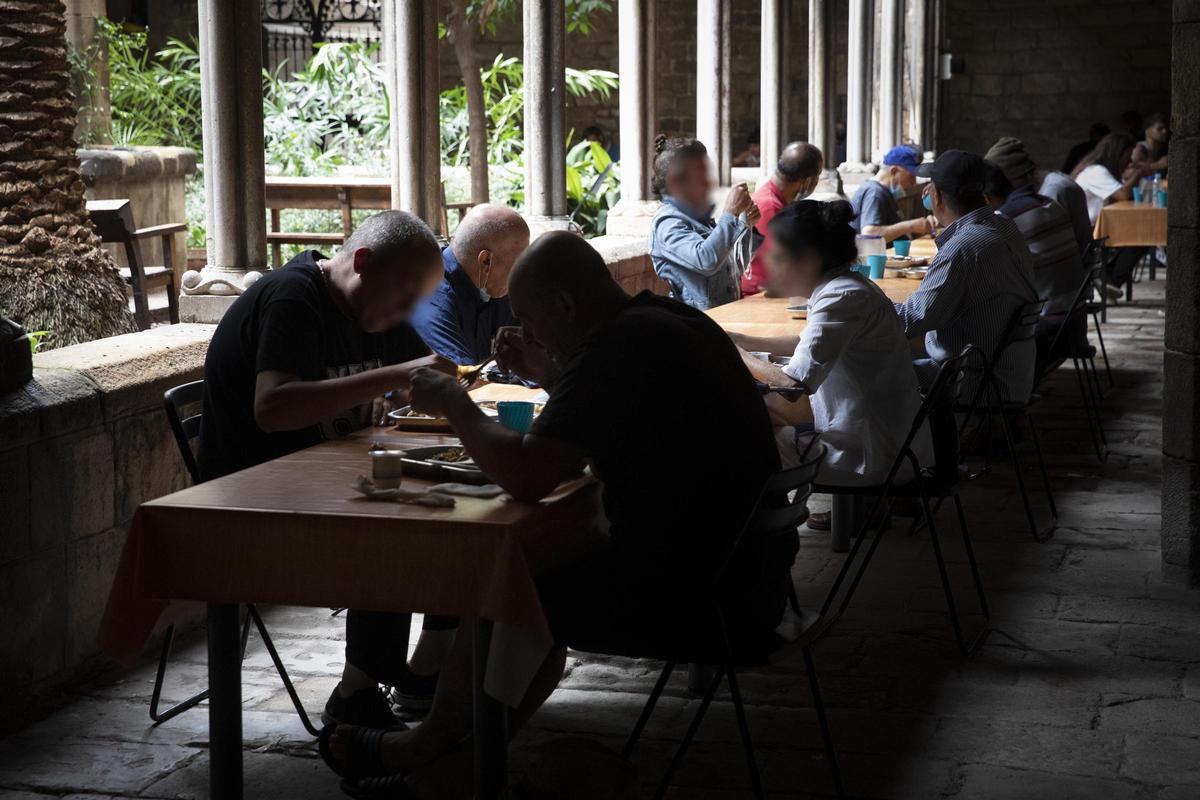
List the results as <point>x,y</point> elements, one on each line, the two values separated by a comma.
<point>876,263</point>
<point>902,247</point>
<point>516,415</point>
<point>387,468</point>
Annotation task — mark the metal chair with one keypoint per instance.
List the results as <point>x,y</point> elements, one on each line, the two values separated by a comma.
<point>183,413</point>
<point>1093,257</point>
<point>780,509</point>
<point>990,402</point>
<point>1070,341</point>
<point>940,482</point>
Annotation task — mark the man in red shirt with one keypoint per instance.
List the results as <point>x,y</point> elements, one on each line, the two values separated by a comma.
<point>795,177</point>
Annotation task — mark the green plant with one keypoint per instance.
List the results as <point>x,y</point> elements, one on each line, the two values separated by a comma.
<point>155,98</point>
<point>593,186</point>
<point>35,339</point>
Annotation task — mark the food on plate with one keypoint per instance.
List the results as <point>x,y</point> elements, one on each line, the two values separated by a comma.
<point>451,455</point>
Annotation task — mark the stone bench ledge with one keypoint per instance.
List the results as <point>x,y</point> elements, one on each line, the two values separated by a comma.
<point>135,163</point>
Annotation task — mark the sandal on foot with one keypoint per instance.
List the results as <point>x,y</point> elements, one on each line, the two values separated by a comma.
<point>364,752</point>
<point>384,787</point>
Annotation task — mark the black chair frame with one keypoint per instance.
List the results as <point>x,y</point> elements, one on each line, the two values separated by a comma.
<point>186,428</point>
<point>926,484</point>
<point>1083,359</point>
<point>989,402</point>
<point>768,519</point>
<point>1097,306</point>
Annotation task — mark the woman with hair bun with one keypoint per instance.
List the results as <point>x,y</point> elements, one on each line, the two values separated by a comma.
<point>852,359</point>
<point>700,258</point>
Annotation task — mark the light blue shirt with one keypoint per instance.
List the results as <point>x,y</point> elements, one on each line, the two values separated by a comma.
<point>697,257</point>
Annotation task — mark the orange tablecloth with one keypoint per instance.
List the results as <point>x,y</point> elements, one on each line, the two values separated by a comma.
<point>294,532</point>
<point>1128,224</point>
<point>758,315</point>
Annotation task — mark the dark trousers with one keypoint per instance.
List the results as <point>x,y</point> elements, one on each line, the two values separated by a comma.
<point>377,641</point>
<point>1122,262</point>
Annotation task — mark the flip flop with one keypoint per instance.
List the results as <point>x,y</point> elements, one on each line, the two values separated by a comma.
<point>385,787</point>
<point>364,758</point>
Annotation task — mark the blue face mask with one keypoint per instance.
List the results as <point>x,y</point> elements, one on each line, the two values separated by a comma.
<point>927,201</point>
<point>898,192</point>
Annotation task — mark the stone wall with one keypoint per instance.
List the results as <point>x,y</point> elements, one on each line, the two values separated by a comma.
<point>1181,390</point>
<point>153,179</point>
<point>80,448</point>
<point>1044,70</point>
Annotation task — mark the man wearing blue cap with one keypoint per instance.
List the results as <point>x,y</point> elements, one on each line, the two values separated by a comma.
<point>875,208</point>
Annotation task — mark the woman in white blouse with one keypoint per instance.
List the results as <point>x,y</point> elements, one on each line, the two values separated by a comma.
<point>851,358</point>
<point>1107,175</point>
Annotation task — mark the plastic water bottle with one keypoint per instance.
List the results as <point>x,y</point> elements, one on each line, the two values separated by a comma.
<point>1145,191</point>
<point>1155,188</point>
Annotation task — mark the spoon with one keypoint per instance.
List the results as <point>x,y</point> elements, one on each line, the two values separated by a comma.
<point>467,375</point>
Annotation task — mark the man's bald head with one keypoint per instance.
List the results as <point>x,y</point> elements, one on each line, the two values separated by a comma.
<point>799,167</point>
<point>560,288</point>
<point>487,242</point>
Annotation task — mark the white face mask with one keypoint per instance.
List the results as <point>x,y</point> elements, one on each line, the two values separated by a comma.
<point>484,296</point>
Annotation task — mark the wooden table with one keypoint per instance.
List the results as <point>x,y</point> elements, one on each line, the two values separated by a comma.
<point>759,315</point>
<point>293,532</point>
<point>1129,224</point>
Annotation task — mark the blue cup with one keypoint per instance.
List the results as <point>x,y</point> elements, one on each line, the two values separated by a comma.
<point>1160,198</point>
<point>516,415</point>
<point>876,263</point>
<point>902,247</point>
<point>1137,194</point>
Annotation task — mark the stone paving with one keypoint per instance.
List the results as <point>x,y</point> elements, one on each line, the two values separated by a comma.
<point>1089,685</point>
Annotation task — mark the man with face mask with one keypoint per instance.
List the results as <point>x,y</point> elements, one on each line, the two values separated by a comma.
<point>796,176</point>
<point>460,319</point>
<point>981,275</point>
<point>600,353</point>
<point>876,212</point>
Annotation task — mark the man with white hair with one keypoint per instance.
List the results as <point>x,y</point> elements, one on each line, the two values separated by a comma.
<point>463,315</point>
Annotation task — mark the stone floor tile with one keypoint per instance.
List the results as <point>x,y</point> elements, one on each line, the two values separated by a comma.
<point>68,765</point>
<point>267,776</point>
<point>1156,715</point>
<point>1153,758</point>
<point>984,782</point>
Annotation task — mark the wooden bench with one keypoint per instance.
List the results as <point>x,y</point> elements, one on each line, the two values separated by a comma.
<point>114,223</point>
<point>336,194</point>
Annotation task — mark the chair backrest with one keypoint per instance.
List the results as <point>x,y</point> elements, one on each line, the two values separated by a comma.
<point>114,223</point>
<point>1076,316</point>
<point>1022,327</point>
<point>781,507</point>
<point>183,414</point>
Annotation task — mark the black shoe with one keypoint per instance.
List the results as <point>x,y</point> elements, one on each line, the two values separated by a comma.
<point>415,692</point>
<point>366,707</point>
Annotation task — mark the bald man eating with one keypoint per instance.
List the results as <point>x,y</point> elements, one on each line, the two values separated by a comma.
<point>651,394</point>
<point>470,305</point>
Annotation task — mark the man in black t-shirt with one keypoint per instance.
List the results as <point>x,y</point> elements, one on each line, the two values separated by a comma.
<point>653,395</point>
<point>306,354</point>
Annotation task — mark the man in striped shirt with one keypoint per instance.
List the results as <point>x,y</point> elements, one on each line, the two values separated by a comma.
<point>1057,264</point>
<point>981,275</point>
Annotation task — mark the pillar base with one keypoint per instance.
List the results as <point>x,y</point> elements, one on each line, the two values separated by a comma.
<point>632,218</point>
<point>218,281</point>
<point>205,308</point>
<point>854,173</point>
<point>539,224</point>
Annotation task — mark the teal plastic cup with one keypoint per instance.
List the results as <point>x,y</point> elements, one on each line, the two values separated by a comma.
<point>902,247</point>
<point>1137,194</point>
<point>876,263</point>
<point>1160,198</point>
<point>516,415</point>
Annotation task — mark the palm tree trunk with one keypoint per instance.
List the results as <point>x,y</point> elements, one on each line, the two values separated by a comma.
<point>53,274</point>
<point>464,33</point>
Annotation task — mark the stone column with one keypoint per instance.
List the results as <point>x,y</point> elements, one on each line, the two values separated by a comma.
<point>713,38</point>
<point>410,65</point>
<point>632,214</point>
<point>545,114</point>
<point>918,75</point>
<point>94,120</point>
<point>1181,366</point>
<point>891,68</point>
<point>234,174</point>
<point>821,107</point>
<point>858,87</point>
<point>775,89</point>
